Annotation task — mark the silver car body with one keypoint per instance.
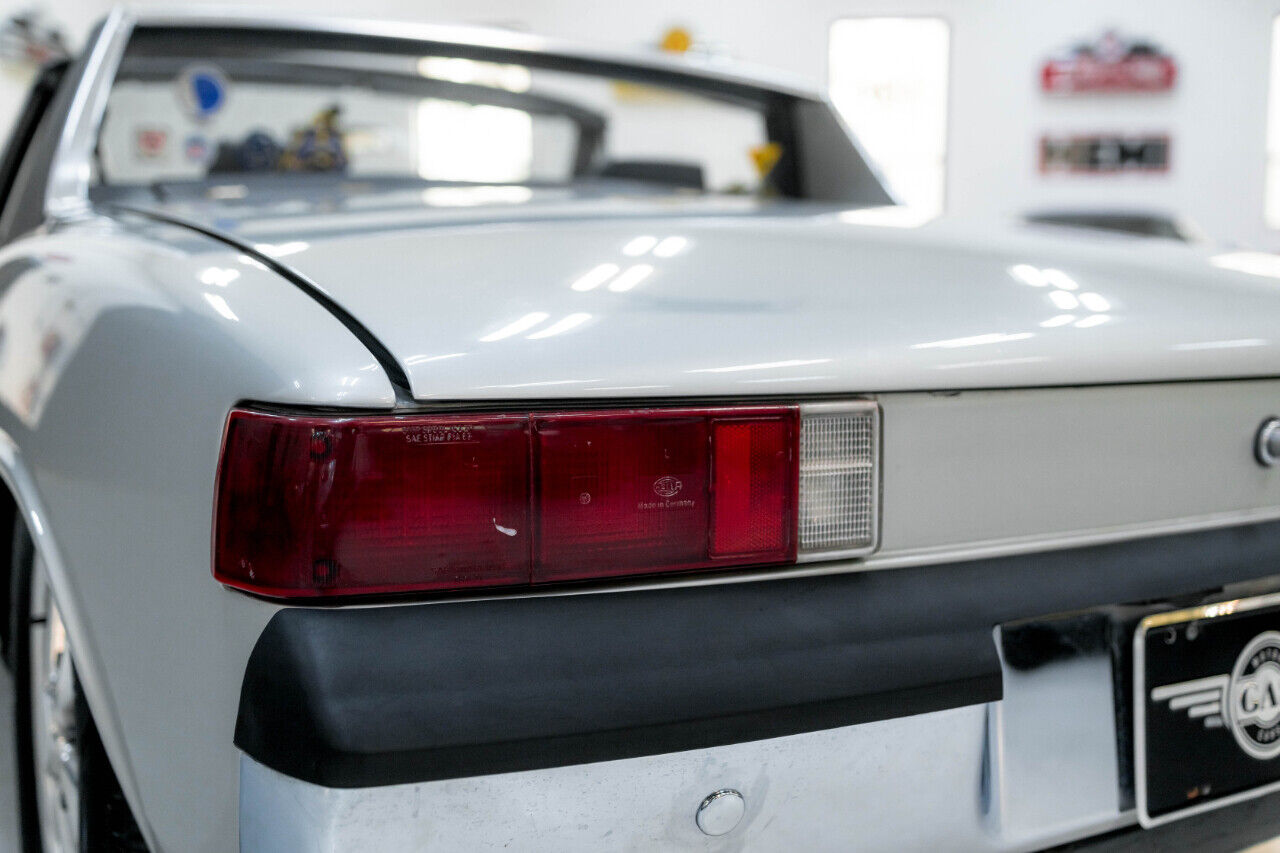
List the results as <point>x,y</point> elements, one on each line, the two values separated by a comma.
<point>1039,390</point>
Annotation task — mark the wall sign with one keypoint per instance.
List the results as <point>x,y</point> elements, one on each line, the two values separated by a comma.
<point>1109,64</point>
<point>151,143</point>
<point>1105,154</point>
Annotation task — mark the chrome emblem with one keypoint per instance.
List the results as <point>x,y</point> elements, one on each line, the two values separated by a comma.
<point>1247,701</point>
<point>667,487</point>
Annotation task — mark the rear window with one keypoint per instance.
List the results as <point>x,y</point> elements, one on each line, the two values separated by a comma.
<point>179,116</point>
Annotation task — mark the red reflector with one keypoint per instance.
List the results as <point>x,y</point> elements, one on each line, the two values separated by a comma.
<point>342,506</point>
<point>754,487</point>
<point>315,506</point>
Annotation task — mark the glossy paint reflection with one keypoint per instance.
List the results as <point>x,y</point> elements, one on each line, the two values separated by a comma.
<point>58,292</point>
<point>653,299</point>
<point>621,278</point>
<point>561,326</point>
<point>515,327</point>
<point>1063,291</point>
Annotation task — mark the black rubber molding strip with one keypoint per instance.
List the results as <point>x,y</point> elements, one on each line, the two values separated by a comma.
<point>388,362</point>
<point>386,695</point>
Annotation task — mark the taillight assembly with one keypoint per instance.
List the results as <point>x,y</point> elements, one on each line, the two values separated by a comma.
<point>318,505</point>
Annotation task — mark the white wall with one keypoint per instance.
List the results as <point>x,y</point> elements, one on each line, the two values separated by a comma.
<point>1216,115</point>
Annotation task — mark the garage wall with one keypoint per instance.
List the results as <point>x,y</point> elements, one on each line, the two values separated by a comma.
<point>1216,116</point>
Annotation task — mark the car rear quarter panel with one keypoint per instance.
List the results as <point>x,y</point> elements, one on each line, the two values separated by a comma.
<point>122,348</point>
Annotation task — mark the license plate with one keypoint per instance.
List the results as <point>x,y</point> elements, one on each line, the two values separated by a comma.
<point>1207,707</point>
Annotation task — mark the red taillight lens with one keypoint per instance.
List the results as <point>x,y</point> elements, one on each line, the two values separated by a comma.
<point>754,485</point>
<point>313,506</point>
<point>324,506</point>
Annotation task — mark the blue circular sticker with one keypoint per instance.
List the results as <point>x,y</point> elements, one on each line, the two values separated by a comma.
<point>202,90</point>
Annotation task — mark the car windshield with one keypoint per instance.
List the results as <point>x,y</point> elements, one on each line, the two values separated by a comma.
<point>222,109</point>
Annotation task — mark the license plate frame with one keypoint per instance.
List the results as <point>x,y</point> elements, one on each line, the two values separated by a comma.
<point>1180,712</point>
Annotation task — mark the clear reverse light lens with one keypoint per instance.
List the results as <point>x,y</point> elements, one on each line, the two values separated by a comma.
<point>839,489</point>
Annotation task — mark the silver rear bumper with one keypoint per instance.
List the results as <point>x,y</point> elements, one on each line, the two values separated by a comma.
<point>1039,755</point>
<point>1038,768</point>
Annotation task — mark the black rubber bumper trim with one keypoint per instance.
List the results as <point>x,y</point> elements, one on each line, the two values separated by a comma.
<point>386,695</point>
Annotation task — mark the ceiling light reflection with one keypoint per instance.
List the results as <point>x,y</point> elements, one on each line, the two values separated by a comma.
<point>1028,275</point>
<point>1092,320</point>
<point>219,276</point>
<point>632,276</point>
<point>528,321</point>
<point>562,325</point>
<point>670,247</point>
<point>960,365</point>
<point>975,341</point>
<point>1242,342</point>
<point>595,277</point>
<point>1060,320</point>
<point>787,379</point>
<point>1095,302</point>
<point>767,365</point>
<point>639,246</point>
<point>1254,263</point>
<point>1065,301</point>
<point>220,305</point>
<point>1059,279</point>
<point>423,359</point>
<point>280,250</point>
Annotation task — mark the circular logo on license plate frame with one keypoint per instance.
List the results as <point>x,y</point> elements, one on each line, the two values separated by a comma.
<point>1253,697</point>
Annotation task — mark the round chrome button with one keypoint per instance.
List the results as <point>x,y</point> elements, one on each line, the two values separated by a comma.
<point>1267,444</point>
<point>720,812</point>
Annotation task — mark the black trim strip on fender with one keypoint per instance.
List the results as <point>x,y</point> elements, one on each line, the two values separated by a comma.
<point>390,365</point>
<point>359,697</point>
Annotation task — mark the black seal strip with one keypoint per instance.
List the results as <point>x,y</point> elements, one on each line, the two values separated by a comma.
<point>386,360</point>
<point>361,697</point>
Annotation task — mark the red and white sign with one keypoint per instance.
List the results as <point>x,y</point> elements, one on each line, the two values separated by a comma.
<point>1111,64</point>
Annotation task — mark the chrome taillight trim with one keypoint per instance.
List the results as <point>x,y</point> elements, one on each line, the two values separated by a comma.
<point>871,410</point>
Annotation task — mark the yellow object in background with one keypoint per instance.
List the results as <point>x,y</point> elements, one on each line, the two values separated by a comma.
<point>765,157</point>
<point>677,40</point>
<point>674,40</point>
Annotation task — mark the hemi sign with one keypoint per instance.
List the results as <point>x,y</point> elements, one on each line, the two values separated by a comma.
<point>1104,154</point>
